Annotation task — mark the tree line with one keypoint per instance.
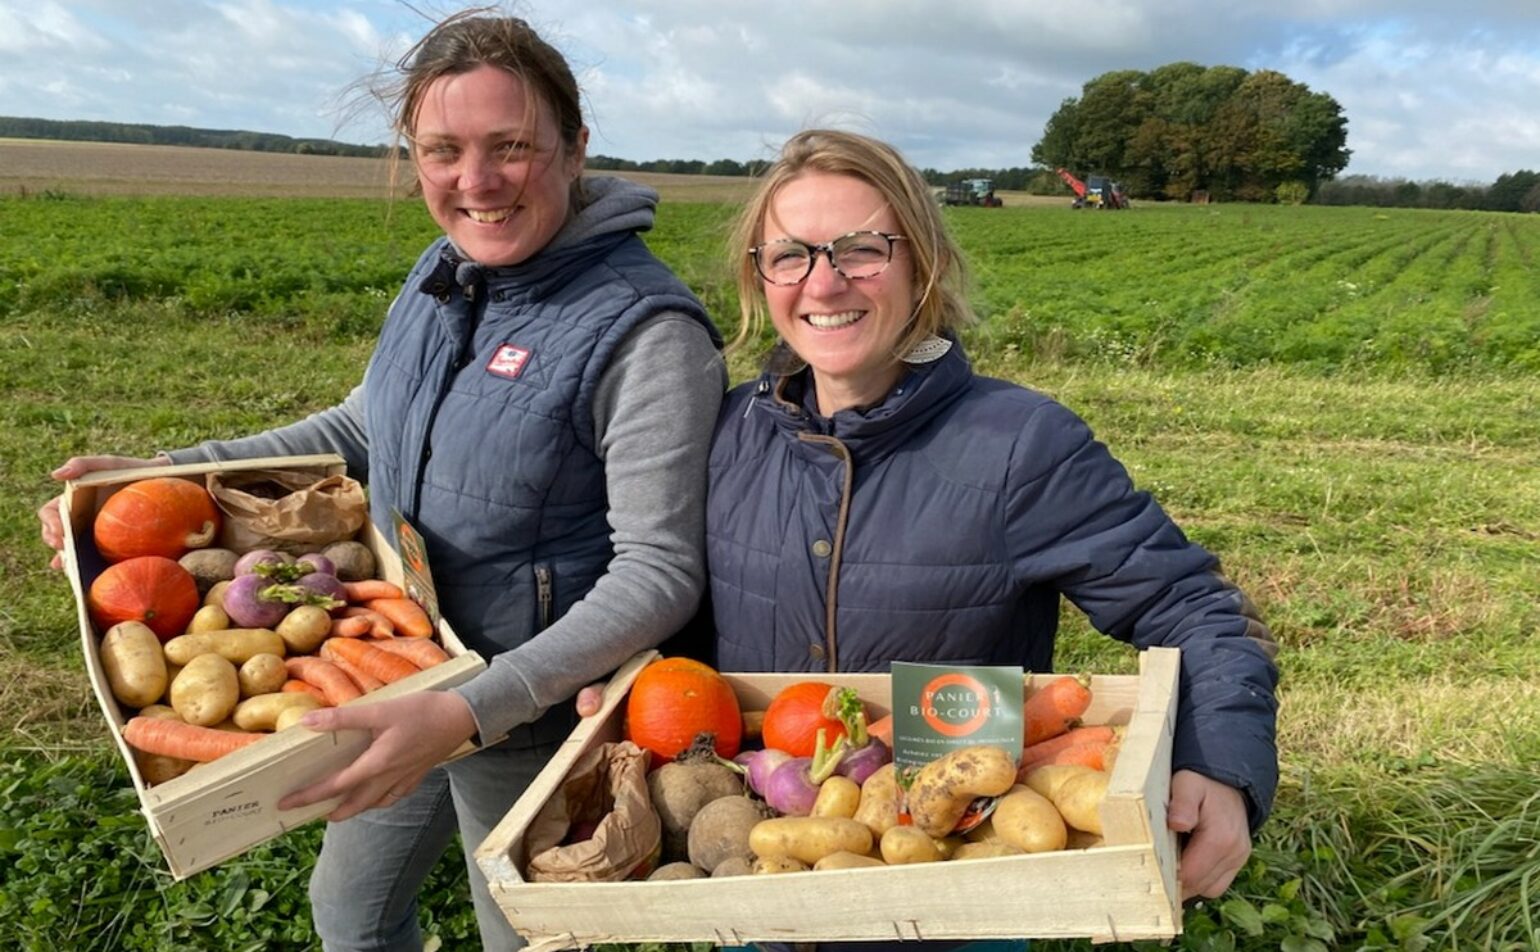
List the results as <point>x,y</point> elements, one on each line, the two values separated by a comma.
<point>1162,134</point>
<point>1511,192</point>
<point>16,127</point>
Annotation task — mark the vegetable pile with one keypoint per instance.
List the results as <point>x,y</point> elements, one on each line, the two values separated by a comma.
<point>821,791</point>
<point>215,649</point>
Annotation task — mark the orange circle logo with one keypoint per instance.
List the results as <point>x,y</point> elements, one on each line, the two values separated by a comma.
<point>951,713</point>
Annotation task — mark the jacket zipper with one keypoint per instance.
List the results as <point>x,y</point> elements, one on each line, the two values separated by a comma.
<point>837,549</point>
<point>545,595</point>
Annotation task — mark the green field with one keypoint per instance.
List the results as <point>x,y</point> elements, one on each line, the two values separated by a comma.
<point>1341,402</point>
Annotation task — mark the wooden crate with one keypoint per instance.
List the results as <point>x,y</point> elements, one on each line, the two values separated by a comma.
<point>221,809</point>
<point>1122,891</point>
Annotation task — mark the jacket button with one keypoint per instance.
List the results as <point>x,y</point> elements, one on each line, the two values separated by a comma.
<point>816,651</point>
<point>822,548</point>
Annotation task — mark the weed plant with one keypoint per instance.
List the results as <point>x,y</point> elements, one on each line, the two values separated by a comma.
<point>1339,402</point>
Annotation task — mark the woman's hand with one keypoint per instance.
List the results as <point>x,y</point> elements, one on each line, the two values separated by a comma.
<point>74,468</point>
<point>1219,840</point>
<point>411,735</point>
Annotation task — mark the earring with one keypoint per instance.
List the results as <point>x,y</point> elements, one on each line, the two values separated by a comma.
<point>929,350</point>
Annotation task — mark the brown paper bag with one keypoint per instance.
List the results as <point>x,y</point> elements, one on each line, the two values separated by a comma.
<point>295,512</point>
<point>606,790</point>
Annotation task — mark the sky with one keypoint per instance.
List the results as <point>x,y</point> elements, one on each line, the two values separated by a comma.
<point>1432,89</point>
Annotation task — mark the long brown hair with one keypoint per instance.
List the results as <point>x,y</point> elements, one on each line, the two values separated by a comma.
<point>939,271</point>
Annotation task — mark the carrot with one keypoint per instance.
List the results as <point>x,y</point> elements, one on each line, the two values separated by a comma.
<point>379,625</point>
<point>338,687</point>
<point>419,651</point>
<point>350,627</point>
<point>408,616</point>
<point>366,682</point>
<point>1056,707</point>
<point>305,687</point>
<point>1098,734</point>
<point>364,656</point>
<point>882,729</point>
<point>371,588</point>
<point>1093,755</point>
<point>158,735</point>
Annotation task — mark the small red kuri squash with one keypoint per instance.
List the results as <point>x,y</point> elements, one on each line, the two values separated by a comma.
<point>149,589</point>
<point>162,516</point>
<point>794,716</point>
<point>674,699</point>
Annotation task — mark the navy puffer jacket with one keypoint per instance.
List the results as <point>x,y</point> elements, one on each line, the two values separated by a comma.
<point>943,525</point>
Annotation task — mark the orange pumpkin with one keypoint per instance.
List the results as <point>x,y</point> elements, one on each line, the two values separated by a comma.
<point>794,716</point>
<point>149,589</point>
<point>162,516</point>
<point>674,699</point>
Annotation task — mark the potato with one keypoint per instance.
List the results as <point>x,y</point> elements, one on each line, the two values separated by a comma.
<point>261,713</point>
<point>237,645</point>
<point>209,566</point>
<point>1027,820</point>
<point>769,865</point>
<point>262,674</point>
<point>1047,779</point>
<point>809,838</point>
<point>733,866</point>
<point>134,664</point>
<point>1080,799</point>
<point>205,691</point>
<point>844,860</point>
<point>304,628</point>
<point>1081,840</point>
<point>902,845</point>
<point>720,830</point>
<point>944,787</point>
<point>290,716</point>
<point>676,871</point>
<point>985,851</point>
<point>216,594</point>
<point>353,560</point>
<point>878,808</point>
<point>208,618</point>
<point>837,796</point>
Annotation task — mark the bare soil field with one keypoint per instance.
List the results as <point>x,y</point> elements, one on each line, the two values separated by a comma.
<point>115,168</point>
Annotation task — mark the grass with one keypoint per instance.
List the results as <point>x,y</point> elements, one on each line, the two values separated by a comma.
<point>1381,503</point>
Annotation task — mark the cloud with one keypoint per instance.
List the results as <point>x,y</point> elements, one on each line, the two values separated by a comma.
<point>1430,89</point>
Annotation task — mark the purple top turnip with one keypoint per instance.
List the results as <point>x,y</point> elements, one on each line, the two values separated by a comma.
<point>758,765</point>
<point>866,753</point>
<point>793,788</point>
<point>248,605</point>
<point>318,563</point>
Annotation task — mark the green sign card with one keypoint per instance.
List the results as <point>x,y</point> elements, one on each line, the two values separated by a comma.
<point>941,707</point>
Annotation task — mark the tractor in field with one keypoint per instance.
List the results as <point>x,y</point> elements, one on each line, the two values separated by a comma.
<point>1097,191</point>
<point>978,191</point>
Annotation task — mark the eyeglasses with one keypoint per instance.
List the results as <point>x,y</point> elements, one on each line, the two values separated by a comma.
<point>860,254</point>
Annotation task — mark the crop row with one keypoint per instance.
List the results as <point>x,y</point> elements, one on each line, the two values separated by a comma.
<point>1164,285</point>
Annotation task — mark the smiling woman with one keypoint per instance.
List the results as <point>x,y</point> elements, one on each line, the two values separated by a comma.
<point>536,356</point>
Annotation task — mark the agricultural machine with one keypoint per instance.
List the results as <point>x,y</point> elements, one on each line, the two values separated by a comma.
<point>1097,191</point>
<point>978,191</point>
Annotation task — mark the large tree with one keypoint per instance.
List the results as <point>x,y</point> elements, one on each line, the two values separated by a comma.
<point>1184,127</point>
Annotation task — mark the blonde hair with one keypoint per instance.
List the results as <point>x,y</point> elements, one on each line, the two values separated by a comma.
<point>939,272</point>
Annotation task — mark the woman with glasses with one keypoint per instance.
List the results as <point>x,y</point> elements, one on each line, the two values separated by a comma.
<point>538,406</point>
<point>872,499</point>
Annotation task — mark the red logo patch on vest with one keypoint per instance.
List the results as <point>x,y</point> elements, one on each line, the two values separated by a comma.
<point>509,361</point>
